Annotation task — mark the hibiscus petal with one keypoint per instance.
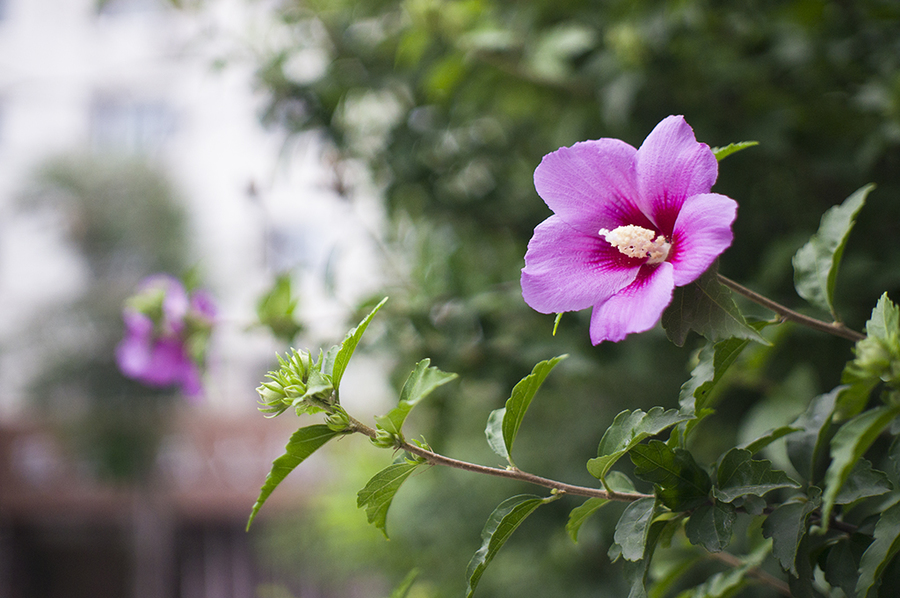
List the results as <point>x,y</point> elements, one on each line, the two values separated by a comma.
<point>636,308</point>
<point>133,355</point>
<point>702,232</point>
<point>566,270</point>
<point>591,185</point>
<point>672,166</point>
<point>191,384</point>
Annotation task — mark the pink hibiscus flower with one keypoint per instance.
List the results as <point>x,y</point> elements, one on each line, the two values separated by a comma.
<point>628,226</point>
<point>160,322</point>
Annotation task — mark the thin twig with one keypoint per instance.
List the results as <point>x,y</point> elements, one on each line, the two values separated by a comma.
<point>835,328</point>
<point>511,473</point>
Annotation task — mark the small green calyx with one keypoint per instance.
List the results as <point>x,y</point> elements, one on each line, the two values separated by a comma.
<point>297,383</point>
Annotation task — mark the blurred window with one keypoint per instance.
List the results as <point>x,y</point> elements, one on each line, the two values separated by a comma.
<point>131,126</point>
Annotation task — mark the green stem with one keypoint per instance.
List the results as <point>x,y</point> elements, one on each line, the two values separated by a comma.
<point>835,328</point>
<point>511,473</point>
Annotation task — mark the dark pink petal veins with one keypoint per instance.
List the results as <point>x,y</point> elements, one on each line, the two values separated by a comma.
<point>591,185</point>
<point>672,166</point>
<point>636,308</point>
<point>702,232</point>
<point>567,270</point>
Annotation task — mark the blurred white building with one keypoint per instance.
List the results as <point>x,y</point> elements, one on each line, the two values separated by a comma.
<point>139,77</point>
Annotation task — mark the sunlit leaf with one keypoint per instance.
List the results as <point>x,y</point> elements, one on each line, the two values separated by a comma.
<point>420,383</point>
<point>723,152</point>
<point>884,546</point>
<point>739,475</point>
<point>816,263</point>
<point>848,446</point>
<point>303,443</point>
<point>494,433</point>
<point>628,429</point>
<point>348,346</point>
<point>679,482</point>
<point>885,318</point>
<point>706,307</point>
<point>499,527</point>
<point>379,492</point>
<point>519,400</point>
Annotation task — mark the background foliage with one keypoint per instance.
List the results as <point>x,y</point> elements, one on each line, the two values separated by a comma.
<point>449,106</point>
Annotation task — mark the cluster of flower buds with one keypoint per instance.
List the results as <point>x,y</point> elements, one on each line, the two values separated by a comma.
<point>167,331</point>
<point>298,383</point>
<point>878,359</point>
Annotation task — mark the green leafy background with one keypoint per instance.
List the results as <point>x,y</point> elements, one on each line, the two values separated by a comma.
<point>468,96</point>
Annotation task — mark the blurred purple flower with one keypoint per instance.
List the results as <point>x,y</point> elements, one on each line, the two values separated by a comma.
<point>629,225</point>
<point>165,334</point>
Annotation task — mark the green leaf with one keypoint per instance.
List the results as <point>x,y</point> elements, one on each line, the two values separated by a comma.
<point>885,319</point>
<point>710,526</point>
<point>816,263</point>
<point>348,346</point>
<point>402,590</point>
<point>875,360</point>
<point>878,555</point>
<point>633,526</point>
<point>727,583</point>
<point>680,483</point>
<point>863,482</point>
<point>303,443</point>
<point>635,572</point>
<point>739,475</point>
<point>714,361</point>
<point>754,446</point>
<point>628,430</point>
<point>379,492</point>
<point>808,449</point>
<point>420,383</point>
<point>848,446</point>
<point>723,152</point>
<point>842,565</point>
<point>494,433</point>
<point>518,403</point>
<point>499,527</point>
<point>617,481</point>
<point>275,309</point>
<point>706,307</point>
<point>787,527</point>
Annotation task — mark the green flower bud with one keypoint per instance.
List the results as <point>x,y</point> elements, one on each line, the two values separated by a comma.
<point>384,439</point>
<point>296,383</point>
<point>338,421</point>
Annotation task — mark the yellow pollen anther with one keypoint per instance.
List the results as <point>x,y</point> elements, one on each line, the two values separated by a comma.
<point>638,242</point>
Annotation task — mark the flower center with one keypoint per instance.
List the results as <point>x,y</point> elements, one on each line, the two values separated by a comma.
<point>637,241</point>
